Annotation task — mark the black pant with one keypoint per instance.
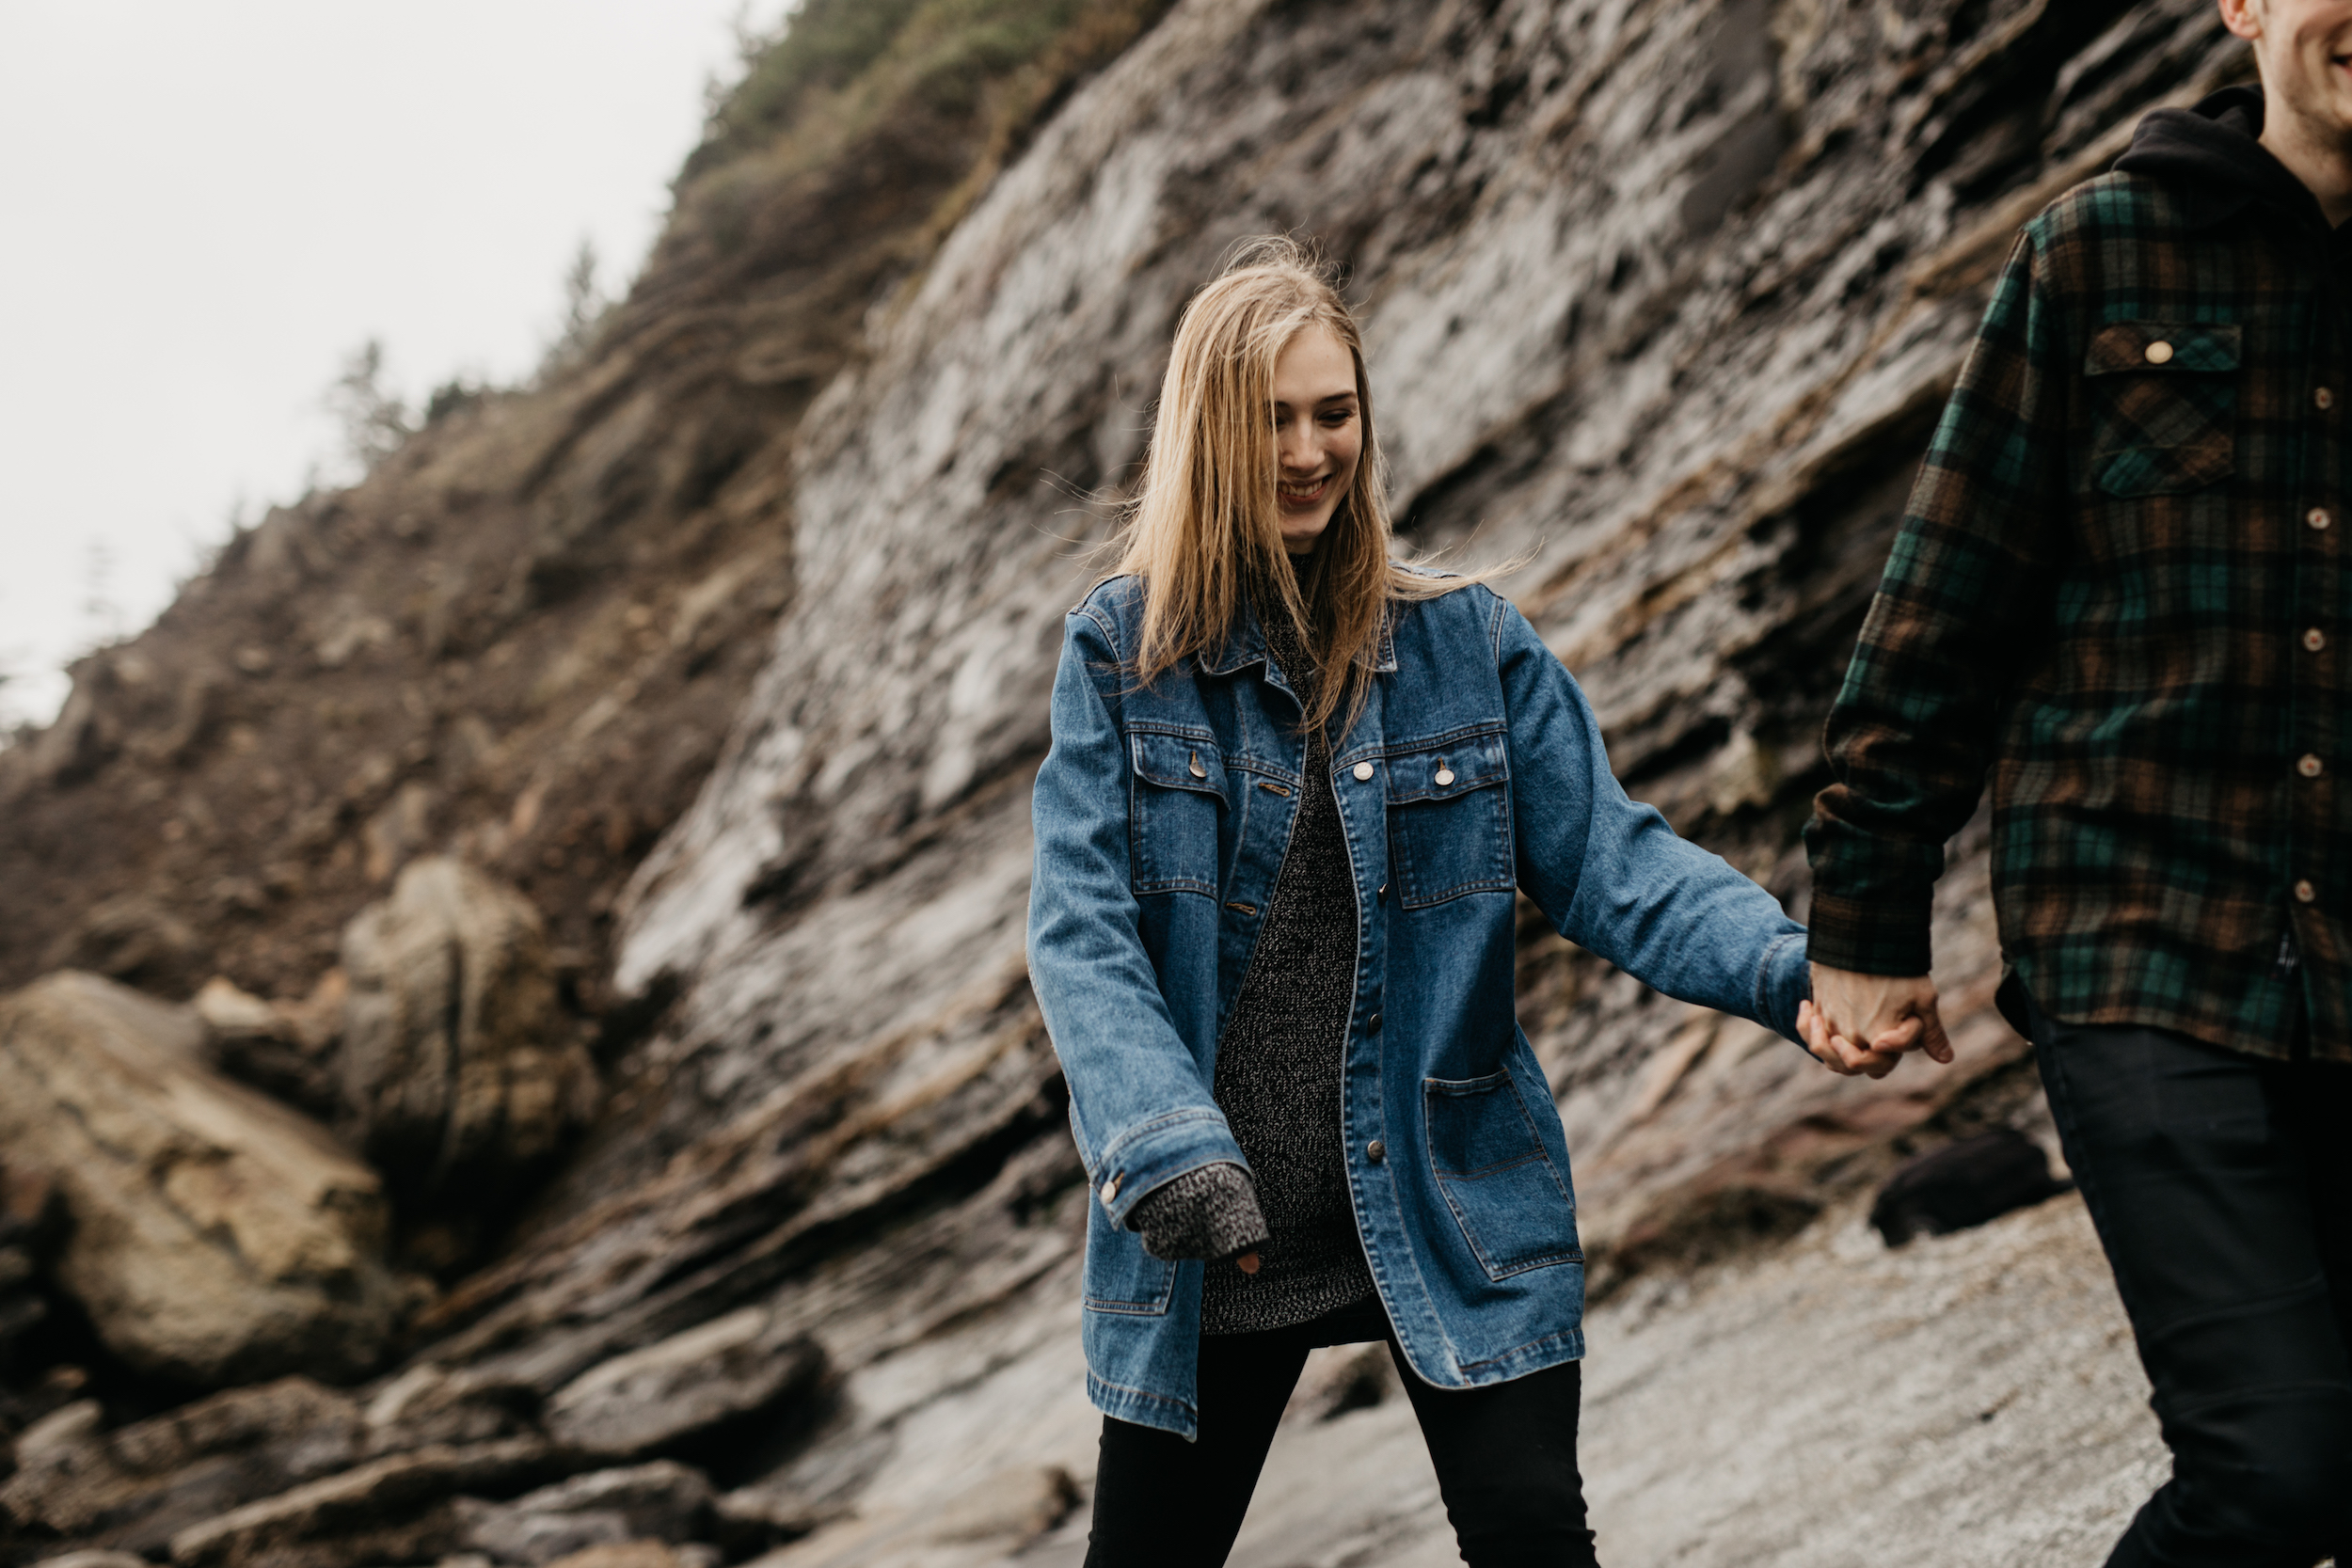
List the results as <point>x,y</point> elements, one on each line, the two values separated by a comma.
<point>1506,1457</point>
<point>2220,1187</point>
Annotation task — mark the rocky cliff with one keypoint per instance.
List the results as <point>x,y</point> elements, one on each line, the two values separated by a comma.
<point>725,653</point>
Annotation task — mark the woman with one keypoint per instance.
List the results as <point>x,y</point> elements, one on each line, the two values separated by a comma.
<point>1292,790</point>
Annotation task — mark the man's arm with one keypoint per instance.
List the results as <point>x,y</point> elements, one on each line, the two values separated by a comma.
<point>1965,596</point>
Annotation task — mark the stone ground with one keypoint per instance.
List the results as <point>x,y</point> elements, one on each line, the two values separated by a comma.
<point>2010,1425</point>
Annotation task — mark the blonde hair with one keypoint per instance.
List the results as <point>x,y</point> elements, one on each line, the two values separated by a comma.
<point>1205,531</point>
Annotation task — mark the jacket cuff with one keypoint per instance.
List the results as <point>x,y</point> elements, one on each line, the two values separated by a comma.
<point>1869,937</point>
<point>1783,981</point>
<point>1150,1154</point>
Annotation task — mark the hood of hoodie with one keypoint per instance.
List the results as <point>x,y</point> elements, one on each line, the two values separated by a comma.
<point>2212,155</point>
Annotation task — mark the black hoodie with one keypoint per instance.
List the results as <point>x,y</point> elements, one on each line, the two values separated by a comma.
<point>2212,157</point>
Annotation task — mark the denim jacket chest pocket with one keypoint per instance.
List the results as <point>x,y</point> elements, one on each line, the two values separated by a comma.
<point>1448,807</point>
<point>1177,803</point>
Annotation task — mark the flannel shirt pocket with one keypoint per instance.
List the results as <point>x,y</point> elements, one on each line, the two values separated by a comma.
<point>2163,405</point>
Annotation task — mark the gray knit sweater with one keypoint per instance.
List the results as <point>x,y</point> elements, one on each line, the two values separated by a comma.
<point>1278,1082</point>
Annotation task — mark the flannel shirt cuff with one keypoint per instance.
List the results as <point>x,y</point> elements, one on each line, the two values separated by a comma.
<point>1869,937</point>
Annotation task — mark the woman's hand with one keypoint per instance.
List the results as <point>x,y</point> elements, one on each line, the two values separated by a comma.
<point>1863,1024</point>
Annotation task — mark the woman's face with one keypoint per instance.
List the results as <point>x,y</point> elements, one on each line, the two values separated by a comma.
<point>1318,433</point>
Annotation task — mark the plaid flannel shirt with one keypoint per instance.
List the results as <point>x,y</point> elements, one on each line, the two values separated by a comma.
<point>2119,589</point>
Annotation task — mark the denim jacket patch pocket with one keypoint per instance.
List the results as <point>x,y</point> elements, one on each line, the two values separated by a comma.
<point>1176,804</point>
<point>1450,819</point>
<point>1507,1197</point>
<point>2164,406</point>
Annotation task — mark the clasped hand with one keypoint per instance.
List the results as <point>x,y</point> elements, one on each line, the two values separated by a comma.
<point>1863,1024</point>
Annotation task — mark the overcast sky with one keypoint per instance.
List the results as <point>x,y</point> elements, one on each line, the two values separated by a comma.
<point>205,208</point>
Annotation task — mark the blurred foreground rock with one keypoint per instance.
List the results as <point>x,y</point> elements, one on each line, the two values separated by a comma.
<point>132,1489</point>
<point>458,1070</point>
<point>217,1236</point>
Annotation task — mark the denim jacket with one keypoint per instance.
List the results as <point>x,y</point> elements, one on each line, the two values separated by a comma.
<point>1476,770</point>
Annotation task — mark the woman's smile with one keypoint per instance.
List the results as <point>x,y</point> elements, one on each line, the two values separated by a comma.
<point>1301,495</point>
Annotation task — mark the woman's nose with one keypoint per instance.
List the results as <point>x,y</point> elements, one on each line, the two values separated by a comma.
<point>1292,445</point>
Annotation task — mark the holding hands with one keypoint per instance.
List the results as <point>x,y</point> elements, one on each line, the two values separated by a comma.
<point>1863,1024</point>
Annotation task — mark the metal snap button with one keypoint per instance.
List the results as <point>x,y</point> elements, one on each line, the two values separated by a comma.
<point>1364,772</point>
<point>1445,775</point>
<point>1110,1190</point>
<point>2305,894</point>
<point>1376,1151</point>
<point>2309,768</point>
<point>1198,771</point>
<point>2160,353</point>
<point>1372,1024</point>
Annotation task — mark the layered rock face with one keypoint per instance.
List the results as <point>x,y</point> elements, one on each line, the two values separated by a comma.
<point>1664,296</point>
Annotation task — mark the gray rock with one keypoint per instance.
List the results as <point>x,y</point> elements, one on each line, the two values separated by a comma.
<point>428,1405</point>
<point>718,1373</point>
<point>661,1501</point>
<point>217,1236</point>
<point>95,1559</point>
<point>398,1509</point>
<point>457,1067</point>
<point>133,1488</point>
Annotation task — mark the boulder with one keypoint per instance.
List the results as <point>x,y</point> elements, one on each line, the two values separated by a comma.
<point>217,1237</point>
<point>132,1489</point>
<point>660,1501</point>
<point>457,1066</point>
<point>1964,1184</point>
<point>688,1387</point>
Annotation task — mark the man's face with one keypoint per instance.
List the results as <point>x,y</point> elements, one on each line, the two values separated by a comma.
<point>2305,50</point>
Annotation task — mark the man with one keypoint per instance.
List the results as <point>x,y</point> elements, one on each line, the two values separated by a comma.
<point>2123,590</point>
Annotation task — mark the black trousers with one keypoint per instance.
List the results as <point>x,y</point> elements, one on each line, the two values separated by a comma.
<point>1506,1457</point>
<point>2221,1189</point>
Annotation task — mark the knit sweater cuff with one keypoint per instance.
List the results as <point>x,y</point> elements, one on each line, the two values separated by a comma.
<point>1210,1212</point>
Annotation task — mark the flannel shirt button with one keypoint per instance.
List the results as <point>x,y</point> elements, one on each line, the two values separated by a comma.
<point>1364,772</point>
<point>2325,398</point>
<point>2160,353</point>
<point>2305,894</point>
<point>2317,517</point>
<point>2314,640</point>
<point>2311,767</point>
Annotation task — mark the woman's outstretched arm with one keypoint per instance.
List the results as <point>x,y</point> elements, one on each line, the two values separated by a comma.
<point>1612,876</point>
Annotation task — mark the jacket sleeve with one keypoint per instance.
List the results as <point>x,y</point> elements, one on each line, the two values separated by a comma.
<point>1138,1107</point>
<point>1915,725</point>
<point>1612,876</point>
